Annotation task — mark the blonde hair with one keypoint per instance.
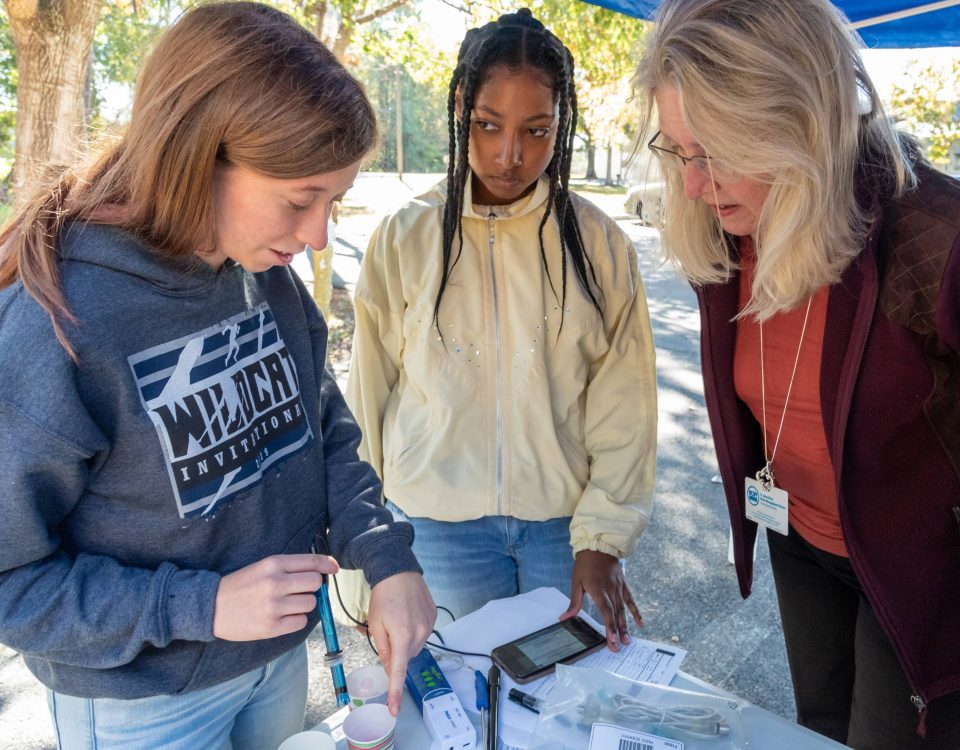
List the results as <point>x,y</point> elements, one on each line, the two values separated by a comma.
<point>778,91</point>
<point>234,83</point>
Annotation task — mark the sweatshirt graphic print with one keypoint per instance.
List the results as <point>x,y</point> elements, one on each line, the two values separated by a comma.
<point>226,404</point>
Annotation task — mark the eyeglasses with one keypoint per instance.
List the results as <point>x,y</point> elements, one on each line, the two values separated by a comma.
<point>676,162</point>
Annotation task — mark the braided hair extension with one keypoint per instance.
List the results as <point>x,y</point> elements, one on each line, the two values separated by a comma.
<point>516,41</point>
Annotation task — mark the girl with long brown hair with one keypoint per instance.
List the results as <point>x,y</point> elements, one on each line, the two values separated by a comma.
<point>170,441</point>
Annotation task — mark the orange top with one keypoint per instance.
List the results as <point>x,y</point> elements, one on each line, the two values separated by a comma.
<point>801,465</point>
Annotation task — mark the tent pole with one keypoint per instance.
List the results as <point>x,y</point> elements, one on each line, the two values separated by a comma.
<point>907,13</point>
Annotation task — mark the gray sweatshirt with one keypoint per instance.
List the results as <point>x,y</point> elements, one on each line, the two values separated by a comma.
<point>199,433</point>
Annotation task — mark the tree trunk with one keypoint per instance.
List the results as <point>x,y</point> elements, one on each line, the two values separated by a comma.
<point>53,40</point>
<point>323,270</point>
<point>399,124</point>
<point>343,39</point>
<point>320,14</point>
<point>349,24</point>
<point>591,161</point>
<point>323,279</point>
<point>609,178</point>
<point>88,94</point>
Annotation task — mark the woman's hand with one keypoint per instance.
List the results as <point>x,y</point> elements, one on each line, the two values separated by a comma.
<point>600,575</point>
<point>401,618</point>
<point>270,597</point>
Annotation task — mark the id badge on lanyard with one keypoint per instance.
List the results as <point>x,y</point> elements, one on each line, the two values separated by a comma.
<point>766,504</point>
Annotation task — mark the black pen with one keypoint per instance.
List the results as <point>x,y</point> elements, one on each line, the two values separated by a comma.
<point>526,700</point>
<point>493,685</point>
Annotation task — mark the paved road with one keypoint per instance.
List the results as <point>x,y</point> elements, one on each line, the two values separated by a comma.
<point>680,576</point>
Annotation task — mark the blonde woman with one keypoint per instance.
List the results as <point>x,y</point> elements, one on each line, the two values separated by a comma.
<point>826,258</point>
<point>170,442</point>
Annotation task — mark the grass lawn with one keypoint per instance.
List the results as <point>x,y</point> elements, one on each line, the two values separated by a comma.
<point>583,186</point>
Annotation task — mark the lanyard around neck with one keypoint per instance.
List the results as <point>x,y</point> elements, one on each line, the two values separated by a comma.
<point>765,475</point>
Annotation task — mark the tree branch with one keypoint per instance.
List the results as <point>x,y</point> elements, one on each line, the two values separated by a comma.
<point>379,12</point>
<point>456,6</point>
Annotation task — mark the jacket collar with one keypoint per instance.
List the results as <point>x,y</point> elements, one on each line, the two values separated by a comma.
<point>526,205</point>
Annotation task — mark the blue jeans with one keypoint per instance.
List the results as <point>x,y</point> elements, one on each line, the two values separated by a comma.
<point>255,711</point>
<point>468,563</point>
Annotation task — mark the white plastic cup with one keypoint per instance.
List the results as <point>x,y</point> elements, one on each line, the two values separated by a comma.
<point>367,685</point>
<point>309,741</point>
<point>370,727</point>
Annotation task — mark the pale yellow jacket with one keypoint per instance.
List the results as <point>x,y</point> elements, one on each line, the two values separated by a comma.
<point>507,413</point>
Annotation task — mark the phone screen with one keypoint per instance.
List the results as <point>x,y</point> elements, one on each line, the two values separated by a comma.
<point>548,647</point>
<point>535,654</point>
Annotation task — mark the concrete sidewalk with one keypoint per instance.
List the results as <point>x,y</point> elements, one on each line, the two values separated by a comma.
<point>679,575</point>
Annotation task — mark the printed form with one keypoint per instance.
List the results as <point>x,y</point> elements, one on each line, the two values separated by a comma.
<point>638,660</point>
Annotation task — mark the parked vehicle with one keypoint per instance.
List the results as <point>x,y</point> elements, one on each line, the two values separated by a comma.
<point>645,202</point>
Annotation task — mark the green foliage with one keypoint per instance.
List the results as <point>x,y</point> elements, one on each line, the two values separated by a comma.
<point>124,36</point>
<point>8,61</point>
<point>398,42</point>
<point>424,119</point>
<point>604,43</point>
<point>929,107</point>
<point>305,11</point>
<point>393,50</point>
<point>8,95</point>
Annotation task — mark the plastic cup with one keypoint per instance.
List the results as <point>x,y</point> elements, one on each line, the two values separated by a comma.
<point>369,727</point>
<point>367,685</point>
<point>309,741</point>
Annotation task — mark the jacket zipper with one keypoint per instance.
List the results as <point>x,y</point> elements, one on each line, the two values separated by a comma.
<point>491,238</point>
<point>916,700</point>
<point>921,707</point>
<point>847,383</point>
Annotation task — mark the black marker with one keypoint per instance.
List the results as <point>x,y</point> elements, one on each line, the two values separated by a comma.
<point>493,685</point>
<point>525,699</point>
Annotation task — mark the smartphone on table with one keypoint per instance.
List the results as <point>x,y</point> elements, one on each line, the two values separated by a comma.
<point>535,655</point>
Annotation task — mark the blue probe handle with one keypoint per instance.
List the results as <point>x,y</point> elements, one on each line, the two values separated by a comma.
<point>480,685</point>
<point>332,644</point>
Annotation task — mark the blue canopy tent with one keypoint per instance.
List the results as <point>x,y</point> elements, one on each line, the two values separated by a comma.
<point>881,23</point>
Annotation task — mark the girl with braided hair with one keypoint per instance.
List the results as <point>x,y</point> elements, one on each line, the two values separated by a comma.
<point>509,409</point>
